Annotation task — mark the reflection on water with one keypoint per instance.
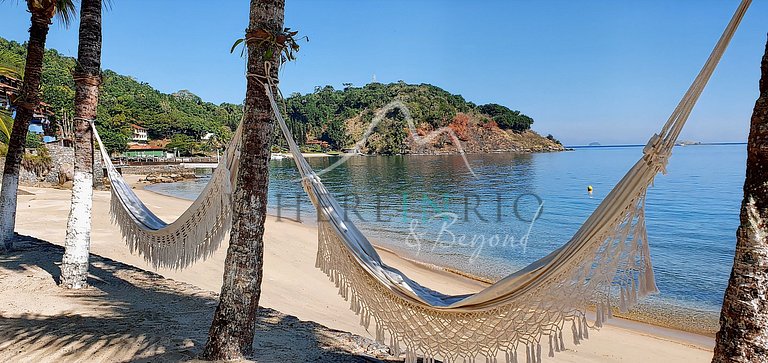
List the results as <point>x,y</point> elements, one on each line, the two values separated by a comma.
<point>520,207</point>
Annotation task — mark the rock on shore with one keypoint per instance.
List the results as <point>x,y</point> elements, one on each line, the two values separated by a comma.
<point>154,178</point>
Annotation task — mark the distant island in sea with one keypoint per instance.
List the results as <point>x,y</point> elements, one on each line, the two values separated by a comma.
<point>136,119</point>
<point>681,143</point>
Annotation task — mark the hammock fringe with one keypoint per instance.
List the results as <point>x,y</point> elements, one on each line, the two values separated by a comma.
<point>366,300</point>
<point>195,235</point>
<point>178,249</point>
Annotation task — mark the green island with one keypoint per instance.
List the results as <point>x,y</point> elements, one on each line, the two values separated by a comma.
<point>326,120</point>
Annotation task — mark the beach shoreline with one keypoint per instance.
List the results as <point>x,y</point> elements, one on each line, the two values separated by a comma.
<point>289,273</point>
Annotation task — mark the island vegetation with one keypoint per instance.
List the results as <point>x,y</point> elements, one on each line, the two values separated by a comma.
<point>327,119</point>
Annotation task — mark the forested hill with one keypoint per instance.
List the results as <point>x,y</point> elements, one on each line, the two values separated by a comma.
<point>328,118</point>
<point>341,117</point>
<point>181,116</point>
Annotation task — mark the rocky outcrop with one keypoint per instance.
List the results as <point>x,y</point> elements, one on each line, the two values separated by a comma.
<point>481,140</point>
<point>153,169</point>
<point>168,177</point>
<point>474,132</point>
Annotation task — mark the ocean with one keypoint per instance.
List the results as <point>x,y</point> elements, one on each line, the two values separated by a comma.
<point>492,214</point>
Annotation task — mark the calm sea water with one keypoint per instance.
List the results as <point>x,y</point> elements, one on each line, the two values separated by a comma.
<point>519,207</point>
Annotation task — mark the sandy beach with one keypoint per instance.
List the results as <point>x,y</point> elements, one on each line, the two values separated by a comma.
<point>292,286</point>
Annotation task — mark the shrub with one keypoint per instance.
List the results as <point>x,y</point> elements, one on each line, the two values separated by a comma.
<point>39,163</point>
<point>34,141</point>
<point>553,139</point>
<point>506,119</point>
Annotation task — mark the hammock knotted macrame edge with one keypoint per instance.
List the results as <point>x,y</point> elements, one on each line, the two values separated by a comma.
<point>606,260</point>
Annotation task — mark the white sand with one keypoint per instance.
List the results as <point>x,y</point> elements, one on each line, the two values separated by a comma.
<point>293,286</point>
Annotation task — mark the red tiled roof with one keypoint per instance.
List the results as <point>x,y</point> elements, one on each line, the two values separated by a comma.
<point>137,127</point>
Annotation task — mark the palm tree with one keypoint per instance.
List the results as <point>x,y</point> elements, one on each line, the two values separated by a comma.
<point>232,330</point>
<point>744,319</point>
<point>42,12</point>
<point>74,264</point>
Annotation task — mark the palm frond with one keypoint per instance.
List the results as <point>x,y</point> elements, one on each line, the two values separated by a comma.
<point>6,125</point>
<point>65,11</point>
<point>9,72</point>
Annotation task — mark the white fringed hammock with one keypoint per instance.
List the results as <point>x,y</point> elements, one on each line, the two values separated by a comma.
<point>194,235</point>
<point>606,264</point>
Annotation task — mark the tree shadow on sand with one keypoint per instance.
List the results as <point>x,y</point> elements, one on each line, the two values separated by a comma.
<point>128,314</point>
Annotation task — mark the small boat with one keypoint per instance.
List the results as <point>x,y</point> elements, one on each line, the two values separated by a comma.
<point>276,156</point>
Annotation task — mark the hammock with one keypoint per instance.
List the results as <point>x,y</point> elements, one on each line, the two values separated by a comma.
<point>606,264</point>
<point>195,234</point>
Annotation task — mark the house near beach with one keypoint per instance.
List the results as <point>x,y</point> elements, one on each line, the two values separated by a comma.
<point>144,151</point>
<point>148,149</point>
<point>138,134</point>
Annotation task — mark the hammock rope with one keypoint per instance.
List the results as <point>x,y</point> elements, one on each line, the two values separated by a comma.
<point>605,265</point>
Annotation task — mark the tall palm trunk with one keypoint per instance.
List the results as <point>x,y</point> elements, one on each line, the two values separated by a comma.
<point>232,330</point>
<point>743,335</point>
<point>74,265</point>
<point>28,100</point>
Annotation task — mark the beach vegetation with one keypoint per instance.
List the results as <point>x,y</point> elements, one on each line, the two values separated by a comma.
<point>39,162</point>
<point>33,141</point>
<point>125,100</point>
<point>183,145</point>
<point>6,125</point>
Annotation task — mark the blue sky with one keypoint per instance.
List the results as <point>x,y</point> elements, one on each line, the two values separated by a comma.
<point>607,71</point>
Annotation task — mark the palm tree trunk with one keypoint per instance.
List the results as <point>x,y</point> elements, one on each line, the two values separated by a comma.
<point>26,104</point>
<point>74,264</point>
<point>743,335</point>
<point>232,330</point>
